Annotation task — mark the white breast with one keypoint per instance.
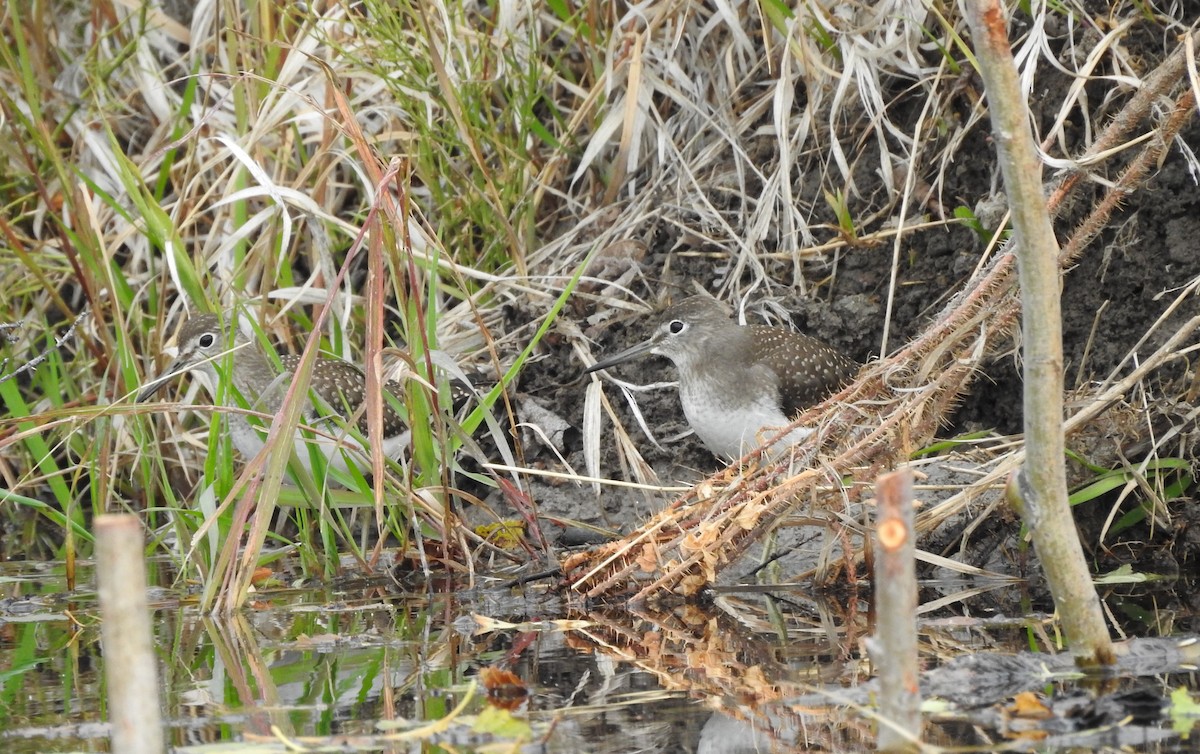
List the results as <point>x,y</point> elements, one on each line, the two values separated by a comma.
<point>339,448</point>
<point>729,427</point>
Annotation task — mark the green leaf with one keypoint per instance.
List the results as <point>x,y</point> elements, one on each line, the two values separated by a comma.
<point>1183,712</point>
<point>502,723</point>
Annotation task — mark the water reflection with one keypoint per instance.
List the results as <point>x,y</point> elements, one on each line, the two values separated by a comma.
<point>362,665</point>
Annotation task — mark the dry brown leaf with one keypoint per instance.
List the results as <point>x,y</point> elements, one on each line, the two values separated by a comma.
<point>1027,705</point>
<point>647,558</point>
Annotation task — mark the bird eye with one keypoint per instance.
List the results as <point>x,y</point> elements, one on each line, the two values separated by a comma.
<point>206,340</point>
<point>676,326</point>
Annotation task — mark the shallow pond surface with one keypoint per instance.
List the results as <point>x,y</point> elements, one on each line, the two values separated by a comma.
<point>369,665</point>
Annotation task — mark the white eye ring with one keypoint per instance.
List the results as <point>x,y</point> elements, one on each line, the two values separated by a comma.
<point>676,326</point>
<point>206,340</point>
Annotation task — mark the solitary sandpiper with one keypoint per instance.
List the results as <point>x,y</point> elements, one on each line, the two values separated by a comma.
<point>213,348</point>
<point>738,383</point>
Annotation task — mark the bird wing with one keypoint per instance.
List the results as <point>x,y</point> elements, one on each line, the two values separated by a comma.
<point>808,370</point>
<point>349,381</point>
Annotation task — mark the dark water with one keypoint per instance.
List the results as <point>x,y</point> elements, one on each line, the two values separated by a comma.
<point>344,666</point>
